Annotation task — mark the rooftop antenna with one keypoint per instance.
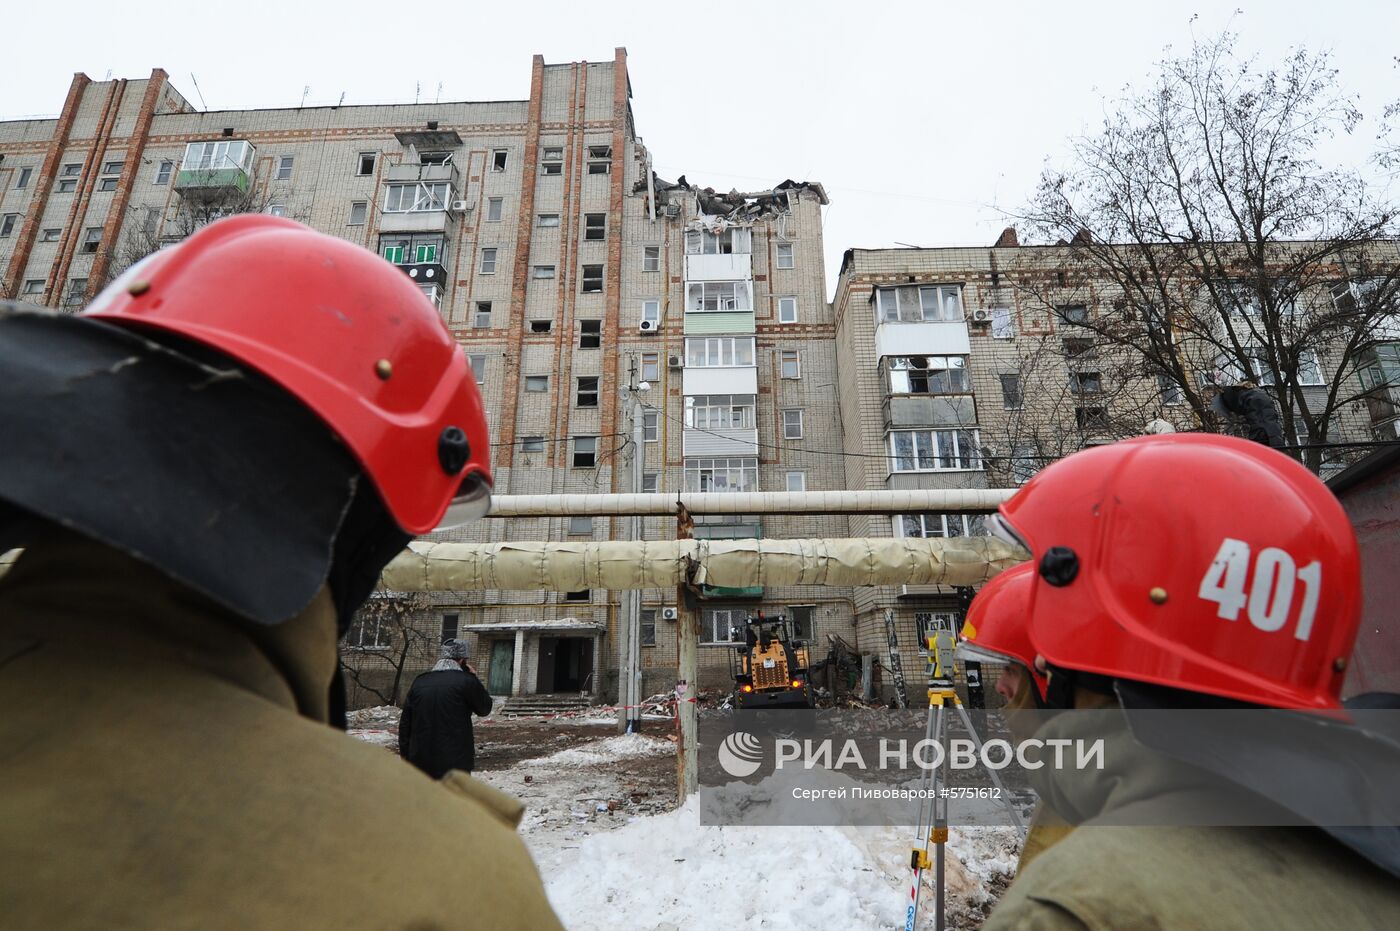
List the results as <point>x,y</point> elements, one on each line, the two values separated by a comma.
<point>199,92</point>
<point>341,100</point>
<point>417,90</point>
<point>438,95</point>
<point>109,75</point>
<point>306,90</point>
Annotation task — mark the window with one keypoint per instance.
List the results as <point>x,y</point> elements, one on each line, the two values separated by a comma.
<point>1011,399</point>
<point>940,525</point>
<point>77,292</point>
<point>359,209</point>
<point>107,184</point>
<point>928,374</point>
<point>585,452</point>
<point>1002,327</point>
<point>720,411</point>
<point>543,271</point>
<point>651,366</point>
<point>735,239</point>
<point>536,382</point>
<point>498,159</point>
<point>1085,382</point>
<point>590,334</point>
<point>547,219</point>
<point>592,279</point>
<point>284,168</point>
<point>50,235</point>
<point>276,210</point>
<point>482,318</point>
<point>581,526</point>
<point>478,364</point>
<point>719,351</point>
<point>1078,347</point>
<point>220,155</point>
<point>1379,366</point>
<point>650,482</point>
<point>797,481</point>
<point>92,238</point>
<point>26,173</point>
<point>1168,390</point>
<point>599,159</point>
<point>931,622</point>
<point>787,310</point>
<point>792,424</point>
<point>493,209</point>
<point>1359,295</point>
<point>67,185</point>
<point>933,450</point>
<point>488,261</point>
<point>588,391</point>
<point>34,286</point>
<point>651,426</point>
<point>7,224</point>
<point>419,197</point>
<point>1025,462</point>
<point>366,632</point>
<point>651,258</point>
<point>365,163</point>
<point>1073,313</point>
<point>152,221</point>
<point>1091,419</point>
<point>71,170</point>
<point>785,255</point>
<point>919,304</point>
<point>449,627</point>
<point>394,252</point>
<point>721,475</point>
<point>648,632</point>
<point>717,296</point>
<point>789,363</point>
<point>801,618</point>
<point>540,326</point>
<point>552,161</point>
<point>651,310</point>
<point>595,226</point>
<point>1309,372</point>
<point>532,444</point>
<point>582,595</point>
<point>723,625</point>
<point>1242,297</point>
<point>163,172</point>
<point>434,158</point>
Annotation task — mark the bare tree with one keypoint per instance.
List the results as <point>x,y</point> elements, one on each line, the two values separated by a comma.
<point>1210,246</point>
<point>382,641</point>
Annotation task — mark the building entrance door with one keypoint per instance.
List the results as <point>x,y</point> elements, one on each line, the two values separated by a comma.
<point>498,677</point>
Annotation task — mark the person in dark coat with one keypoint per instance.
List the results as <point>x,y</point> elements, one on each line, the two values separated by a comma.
<point>1257,409</point>
<point>435,728</point>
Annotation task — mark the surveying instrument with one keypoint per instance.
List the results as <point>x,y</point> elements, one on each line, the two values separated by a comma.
<point>933,809</point>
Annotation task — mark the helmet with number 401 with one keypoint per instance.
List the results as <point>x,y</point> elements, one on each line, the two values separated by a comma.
<point>1199,562</point>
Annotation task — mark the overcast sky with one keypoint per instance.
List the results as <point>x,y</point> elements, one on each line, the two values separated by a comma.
<point>923,120</point>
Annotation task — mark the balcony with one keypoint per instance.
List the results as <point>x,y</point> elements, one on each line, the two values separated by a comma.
<point>419,198</point>
<point>929,410</point>
<point>737,266</point>
<point>717,322</point>
<point>1383,405</point>
<point>216,170</point>
<point>734,379</point>
<point>929,338</point>
<point>719,442</point>
<point>710,592</point>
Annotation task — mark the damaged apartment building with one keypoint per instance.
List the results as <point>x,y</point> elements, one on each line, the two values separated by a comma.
<point>570,274</point>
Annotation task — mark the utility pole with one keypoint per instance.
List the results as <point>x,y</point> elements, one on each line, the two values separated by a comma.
<point>688,645</point>
<point>629,718</point>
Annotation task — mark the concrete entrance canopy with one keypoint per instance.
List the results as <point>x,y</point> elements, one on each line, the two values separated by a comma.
<point>537,630</point>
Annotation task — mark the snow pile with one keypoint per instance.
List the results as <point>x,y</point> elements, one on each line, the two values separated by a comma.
<point>669,869</point>
<point>599,752</point>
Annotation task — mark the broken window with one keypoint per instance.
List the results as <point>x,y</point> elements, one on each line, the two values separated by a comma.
<point>540,326</point>
<point>735,239</point>
<point>588,391</point>
<point>1085,382</point>
<point>590,334</point>
<point>498,159</point>
<point>77,292</point>
<point>1010,392</point>
<point>34,286</point>
<point>482,318</point>
<point>1002,327</point>
<point>928,374</point>
<point>582,595</point>
<point>418,197</point>
<point>585,452</point>
<point>1078,347</point>
<point>92,238</point>
<point>592,279</point>
<point>552,161</point>
<point>1169,390</point>
<point>364,166</point>
<point>1073,313</point>
<point>26,173</point>
<point>651,258</point>
<point>934,450</point>
<point>7,224</point>
<point>599,159</point>
<point>1091,419</point>
<point>595,226</point>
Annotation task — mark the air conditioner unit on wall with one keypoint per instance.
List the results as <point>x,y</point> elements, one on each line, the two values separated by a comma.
<point>982,315</point>
<point>675,362</point>
<point>669,614</point>
<point>649,326</point>
<point>460,206</point>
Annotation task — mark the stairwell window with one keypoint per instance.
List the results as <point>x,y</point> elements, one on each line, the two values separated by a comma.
<point>1002,327</point>
<point>651,310</point>
<point>581,526</point>
<point>34,286</point>
<point>535,383</point>
<point>552,161</point>
<point>364,165</point>
<point>478,365</point>
<point>651,258</point>
<point>648,632</point>
<point>482,318</point>
<point>790,363</point>
<point>532,444</point>
<point>595,226</point>
<point>92,238</point>
<point>1011,399</point>
<point>588,391</point>
<point>651,367</point>
<point>792,424</point>
<point>543,271</point>
<point>547,220</point>
<point>498,159</point>
<point>585,452</point>
<point>23,181</point>
<point>592,279</point>
<point>494,207</point>
<point>284,168</point>
<point>590,335</point>
<point>651,426</point>
<point>359,209</point>
<point>797,481</point>
<point>7,224</point>
<point>785,259</point>
<point>787,310</point>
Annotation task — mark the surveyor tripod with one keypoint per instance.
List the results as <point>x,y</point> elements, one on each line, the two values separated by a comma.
<point>933,801</point>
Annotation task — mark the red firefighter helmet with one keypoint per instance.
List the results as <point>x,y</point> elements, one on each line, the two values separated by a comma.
<point>996,628</point>
<point>1199,562</point>
<point>342,331</point>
